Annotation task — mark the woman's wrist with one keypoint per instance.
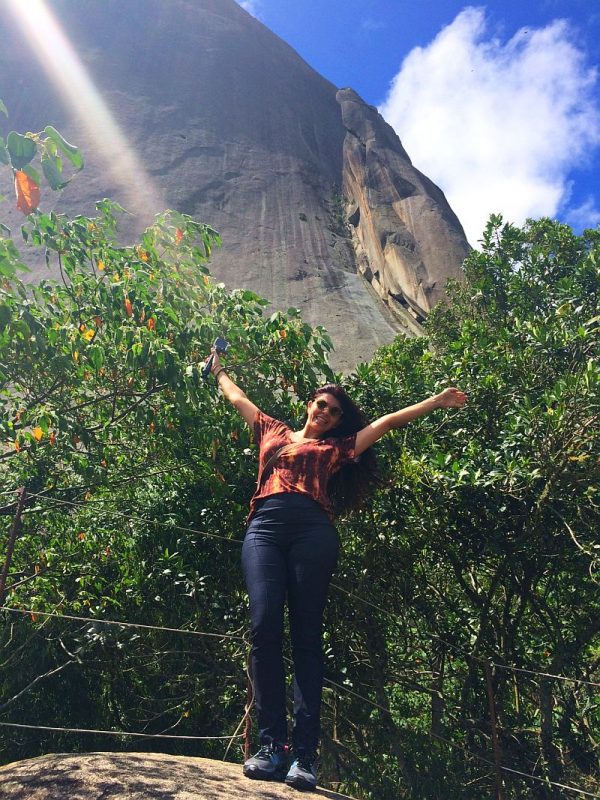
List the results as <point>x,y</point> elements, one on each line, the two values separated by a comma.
<point>217,372</point>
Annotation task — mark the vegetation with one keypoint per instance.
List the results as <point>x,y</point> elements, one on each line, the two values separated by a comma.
<point>481,546</point>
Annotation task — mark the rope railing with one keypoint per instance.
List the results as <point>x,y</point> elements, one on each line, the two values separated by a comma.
<point>119,733</point>
<point>363,600</point>
<point>93,620</point>
<point>463,652</point>
<point>133,518</point>
<point>545,781</point>
<point>90,620</point>
<point>231,737</point>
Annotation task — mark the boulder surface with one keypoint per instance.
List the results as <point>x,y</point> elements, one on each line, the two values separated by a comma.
<point>136,776</point>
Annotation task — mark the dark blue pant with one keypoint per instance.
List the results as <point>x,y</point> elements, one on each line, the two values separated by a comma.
<point>290,549</point>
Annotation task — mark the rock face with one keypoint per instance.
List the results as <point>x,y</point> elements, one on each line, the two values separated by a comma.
<point>135,776</point>
<point>408,240</point>
<point>199,107</point>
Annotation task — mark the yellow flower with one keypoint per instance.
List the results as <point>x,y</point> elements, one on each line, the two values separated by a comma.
<point>38,433</point>
<point>89,334</point>
<point>101,266</point>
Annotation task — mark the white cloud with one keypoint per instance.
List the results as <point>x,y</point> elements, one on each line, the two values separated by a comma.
<point>498,125</point>
<point>587,215</point>
<point>369,24</point>
<point>251,6</point>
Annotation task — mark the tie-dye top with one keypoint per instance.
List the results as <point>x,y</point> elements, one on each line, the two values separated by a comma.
<point>305,469</point>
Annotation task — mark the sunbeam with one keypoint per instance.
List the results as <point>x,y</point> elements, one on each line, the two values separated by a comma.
<point>60,60</point>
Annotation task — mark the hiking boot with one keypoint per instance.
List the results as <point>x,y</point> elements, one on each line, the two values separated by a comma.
<point>269,764</point>
<point>303,772</point>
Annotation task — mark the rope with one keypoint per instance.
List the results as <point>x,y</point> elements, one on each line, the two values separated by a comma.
<point>545,674</point>
<point>139,519</point>
<point>113,733</point>
<point>464,652</point>
<point>551,783</point>
<point>91,620</point>
<point>545,781</point>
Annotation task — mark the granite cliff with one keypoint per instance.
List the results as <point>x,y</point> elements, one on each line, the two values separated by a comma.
<point>317,202</point>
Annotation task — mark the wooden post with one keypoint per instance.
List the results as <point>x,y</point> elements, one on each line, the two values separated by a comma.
<point>494,731</point>
<point>14,533</point>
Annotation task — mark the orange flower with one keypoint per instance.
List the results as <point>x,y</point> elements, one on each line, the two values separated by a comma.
<point>81,536</point>
<point>38,433</point>
<point>128,307</point>
<point>142,254</point>
<point>101,266</point>
<point>17,446</point>
<point>52,438</point>
<point>283,333</point>
<point>143,315</point>
<point>27,191</point>
<point>33,617</point>
<point>151,324</point>
<point>178,235</point>
<point>205,279</point>
<point>151,427</point>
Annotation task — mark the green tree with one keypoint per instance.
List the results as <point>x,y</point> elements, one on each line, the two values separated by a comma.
<point>483,542</point>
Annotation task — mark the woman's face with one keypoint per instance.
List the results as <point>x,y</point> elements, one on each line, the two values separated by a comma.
<point>324,413</point>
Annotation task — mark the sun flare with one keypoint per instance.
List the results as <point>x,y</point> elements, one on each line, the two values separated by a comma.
<point>62,63</point>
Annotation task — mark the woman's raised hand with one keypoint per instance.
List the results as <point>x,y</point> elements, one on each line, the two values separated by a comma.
<point>451,398</point>
<point>216,361</point>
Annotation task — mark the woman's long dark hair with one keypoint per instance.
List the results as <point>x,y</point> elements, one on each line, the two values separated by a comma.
<point>351,485</point>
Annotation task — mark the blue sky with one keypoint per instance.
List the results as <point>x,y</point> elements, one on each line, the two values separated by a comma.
<point>498,103</point>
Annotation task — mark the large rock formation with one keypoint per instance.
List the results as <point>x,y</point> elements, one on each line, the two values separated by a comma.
<point>316,200</point>
<point>135,776</point>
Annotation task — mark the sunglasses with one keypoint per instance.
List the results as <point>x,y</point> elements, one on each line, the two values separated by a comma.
<point>335,411</point>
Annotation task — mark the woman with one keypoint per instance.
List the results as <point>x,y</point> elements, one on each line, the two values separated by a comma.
<point>290,551</point>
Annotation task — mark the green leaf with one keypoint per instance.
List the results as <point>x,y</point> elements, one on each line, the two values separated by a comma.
<point>33,174</point>
<point>52,168</point>
<point>21,149</point>
<point>4,157</point>
<point>3,109</point>
<point>5,316</point>
<point>96,356</point>
<point>71,152</point>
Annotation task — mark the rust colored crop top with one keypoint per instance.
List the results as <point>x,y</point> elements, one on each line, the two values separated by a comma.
<point>305,469</point>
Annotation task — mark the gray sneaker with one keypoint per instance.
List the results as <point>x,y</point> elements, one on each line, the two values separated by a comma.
<point>269,764</point>
<point>303,773</point>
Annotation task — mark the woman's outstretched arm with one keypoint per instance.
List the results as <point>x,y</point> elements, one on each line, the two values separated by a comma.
<point>232,391</point>
<point>448,398</point>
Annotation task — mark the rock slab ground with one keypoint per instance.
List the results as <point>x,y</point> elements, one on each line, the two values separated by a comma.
<point>136,776</point>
